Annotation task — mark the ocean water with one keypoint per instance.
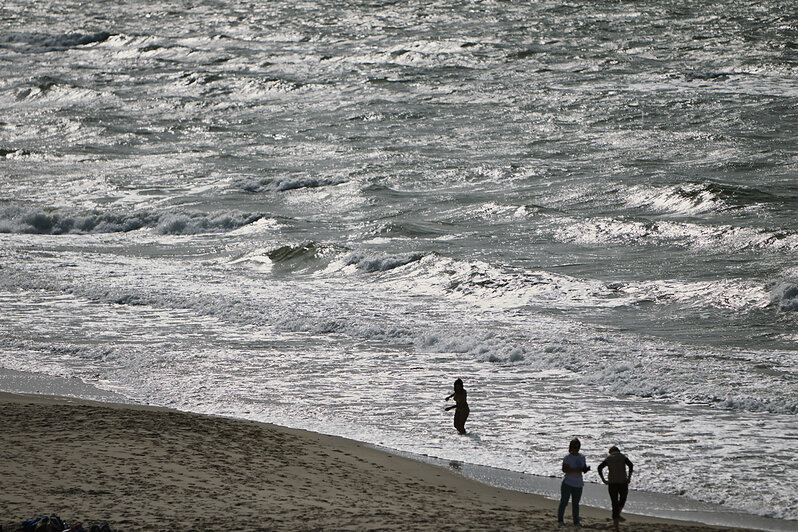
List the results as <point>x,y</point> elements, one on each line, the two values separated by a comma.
<point>320,214</point>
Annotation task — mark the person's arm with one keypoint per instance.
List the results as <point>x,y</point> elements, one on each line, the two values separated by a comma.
<point>631,468</point>
<point>601,467</point>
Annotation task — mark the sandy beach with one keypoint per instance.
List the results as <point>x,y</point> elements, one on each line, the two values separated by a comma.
<point>146,468</point>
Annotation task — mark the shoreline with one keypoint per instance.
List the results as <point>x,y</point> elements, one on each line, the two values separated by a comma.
<point>640,502</point>
<point>142,467</point>
<point>644,503</point>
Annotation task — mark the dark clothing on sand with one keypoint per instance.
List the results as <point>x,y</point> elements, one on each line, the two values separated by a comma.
<point>617,480</point>
<point>616,464</point>
<point>569,492</point>
<point>618,493</point>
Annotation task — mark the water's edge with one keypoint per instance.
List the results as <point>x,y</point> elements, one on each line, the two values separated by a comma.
<point>640,502</point>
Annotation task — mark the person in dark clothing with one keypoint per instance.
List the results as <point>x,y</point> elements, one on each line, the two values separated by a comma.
<point>618,481</point>
<point>461,405</point>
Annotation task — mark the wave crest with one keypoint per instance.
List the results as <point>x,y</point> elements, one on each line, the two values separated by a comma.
<point>16,219</point>
<point>785,296</point>
<point>281,184</point>
<point>686,198</point>
<point>696,198</point>
<point>44,42</point>
<point>595,231</point>
<point>191,224</point>
<point>380,263</point>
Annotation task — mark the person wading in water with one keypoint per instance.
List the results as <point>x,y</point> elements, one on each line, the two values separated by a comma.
<point>461,405</point>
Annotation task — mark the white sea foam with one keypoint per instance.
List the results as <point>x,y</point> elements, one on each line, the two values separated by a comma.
<point>681,234</point>
<point>690,198</point>
<point>484,345</point>
<point>490,287</point>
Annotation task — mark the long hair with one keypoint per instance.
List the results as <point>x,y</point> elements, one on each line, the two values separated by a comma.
<point>575,445</point>
<point>458,385</point>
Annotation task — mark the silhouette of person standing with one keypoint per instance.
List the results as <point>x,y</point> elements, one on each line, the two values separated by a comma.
<point>618,483</point>
<point>573,465</point>
<point>461,406</point>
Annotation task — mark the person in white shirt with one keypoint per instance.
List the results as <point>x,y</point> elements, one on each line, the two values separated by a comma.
<point>573,465</point>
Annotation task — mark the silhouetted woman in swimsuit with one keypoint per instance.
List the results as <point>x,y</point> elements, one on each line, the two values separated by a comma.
<point>461,406</point>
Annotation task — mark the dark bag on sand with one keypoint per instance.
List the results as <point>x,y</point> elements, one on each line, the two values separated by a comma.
<point>44,523</point>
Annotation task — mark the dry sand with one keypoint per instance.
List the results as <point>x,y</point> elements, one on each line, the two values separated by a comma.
<point>143,468</point>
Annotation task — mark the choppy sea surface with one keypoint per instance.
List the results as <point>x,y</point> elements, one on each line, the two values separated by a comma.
<point>320,214</point>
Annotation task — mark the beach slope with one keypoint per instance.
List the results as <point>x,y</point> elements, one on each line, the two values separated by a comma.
<point>146,468</point>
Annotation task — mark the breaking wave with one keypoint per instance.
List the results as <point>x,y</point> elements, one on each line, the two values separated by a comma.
<point>695,198</point>
<point>785,296</point>
<point>688,235</point>
<point>308,256</point>
<point>293,253</point>
<point>312,256</point>
<point>12,153</point>
<point>195,223</point>
<point>281,184</point>
<point>43,42</point>
<point>16,219</point>
<point>485,285</point>
<point>380,263</point>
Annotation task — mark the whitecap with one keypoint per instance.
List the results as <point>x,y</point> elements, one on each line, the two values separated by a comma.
<point>785,296</point>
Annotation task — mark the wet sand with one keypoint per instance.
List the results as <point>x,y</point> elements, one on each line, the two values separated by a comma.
<point>146,468</point>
